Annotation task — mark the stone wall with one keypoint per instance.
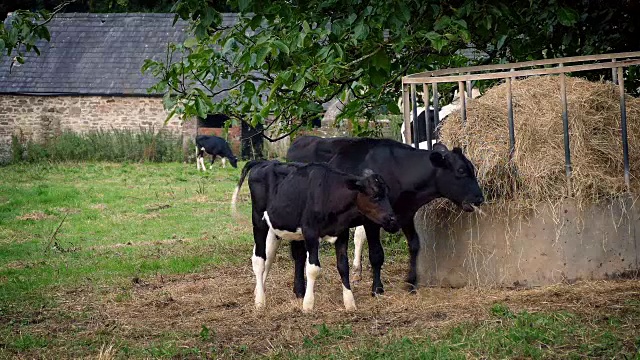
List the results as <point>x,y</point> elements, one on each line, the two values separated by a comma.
<point>38,118</point>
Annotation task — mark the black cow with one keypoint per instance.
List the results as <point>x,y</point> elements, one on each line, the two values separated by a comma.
<point>414,176</point>
<point>422,126</point>
<point>310,202</point>
<point>214,146</point>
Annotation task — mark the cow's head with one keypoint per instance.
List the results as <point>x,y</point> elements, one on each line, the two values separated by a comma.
<point>233,161</point>
<point>456,178</point>
<point>373,201</point>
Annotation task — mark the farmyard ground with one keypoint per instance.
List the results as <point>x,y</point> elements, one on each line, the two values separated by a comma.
<point>148,262</point>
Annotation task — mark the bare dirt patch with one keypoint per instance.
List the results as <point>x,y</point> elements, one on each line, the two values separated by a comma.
<point>153,309</point>
<point>172,241</point>
<point>222,300</point>
<point>36,215</point>
<point>99,206</point>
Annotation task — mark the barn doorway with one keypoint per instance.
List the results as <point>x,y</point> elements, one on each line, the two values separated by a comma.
<point>245,140</point>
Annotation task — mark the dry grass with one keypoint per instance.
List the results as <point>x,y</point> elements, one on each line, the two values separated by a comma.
<point>536,174</point>
<point>222,300</point>
<point>35,216</point>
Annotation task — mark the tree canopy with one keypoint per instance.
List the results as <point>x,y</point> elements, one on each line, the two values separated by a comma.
<point>286,58</point>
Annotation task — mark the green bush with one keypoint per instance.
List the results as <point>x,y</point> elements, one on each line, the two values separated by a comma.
<point>103,145</point>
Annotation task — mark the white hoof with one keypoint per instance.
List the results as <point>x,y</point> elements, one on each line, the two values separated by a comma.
<point>349,301</point>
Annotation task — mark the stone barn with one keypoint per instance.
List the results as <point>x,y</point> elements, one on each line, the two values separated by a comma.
<point>88,77</point>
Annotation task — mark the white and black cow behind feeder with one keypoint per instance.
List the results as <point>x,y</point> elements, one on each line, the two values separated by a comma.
<point>216,147</point>
<point>428,123</point>
<point>306,203</point>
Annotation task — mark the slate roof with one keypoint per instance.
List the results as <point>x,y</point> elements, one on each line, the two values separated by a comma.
<point>95,54</point>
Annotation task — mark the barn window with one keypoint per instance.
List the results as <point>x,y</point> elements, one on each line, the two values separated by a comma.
<point>213,121</point>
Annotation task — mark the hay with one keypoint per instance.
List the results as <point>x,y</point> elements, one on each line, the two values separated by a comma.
<point>536,174</point>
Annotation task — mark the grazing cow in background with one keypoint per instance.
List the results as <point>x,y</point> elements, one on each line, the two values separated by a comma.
<point>415,177</point>
<point>214,146</point>
<point>306,203</point>
<point>443,113</point>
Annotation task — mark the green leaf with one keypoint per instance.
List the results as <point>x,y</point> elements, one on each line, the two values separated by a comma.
<point>227,45</point>
<point>567,17</point>
<point>501,41</point>
<point>339,50</point>
<point>45,33</point>
<point>359,30</point>
<point>171,114</point>
<point>439,43</point>
<point>381,61</point>
<point>20,59</point>
<point>322,54</point>
<point>298,85</point>
<point>201,108</point>
<point>190,42</point>
<point>301,37</point>
<point>243,5</point>
<point>393,108</point>
<point>305,26</point>
<point>281,46</point>
<point>1,45</point>
<point>286,75</point>
<point>261,53</point>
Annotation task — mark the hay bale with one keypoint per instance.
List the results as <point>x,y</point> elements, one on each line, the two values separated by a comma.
<point>536,173</point>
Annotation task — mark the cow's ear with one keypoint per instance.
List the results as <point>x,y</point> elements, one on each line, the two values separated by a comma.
<point>437,159</point>
<point>440,147</point>
<point>354,184</point>
<point>457,150</point>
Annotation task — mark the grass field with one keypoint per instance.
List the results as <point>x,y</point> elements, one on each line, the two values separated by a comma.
<point>101,260</point>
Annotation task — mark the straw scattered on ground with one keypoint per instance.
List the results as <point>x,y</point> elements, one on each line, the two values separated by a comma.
<point>222,300</point>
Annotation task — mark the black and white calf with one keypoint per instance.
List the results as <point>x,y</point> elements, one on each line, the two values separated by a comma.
<point>216,147</point>
<point>310,202</point>
<point>415,177</point>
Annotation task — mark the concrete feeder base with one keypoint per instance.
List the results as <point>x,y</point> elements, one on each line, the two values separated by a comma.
<point>598,242</point>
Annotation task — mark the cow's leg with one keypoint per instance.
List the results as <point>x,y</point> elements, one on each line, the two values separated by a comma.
<point>197,158</point>
<point>213,158</point>
<point>376,256</point>
<point>299,255</point>
<point>224,162</point>
<point>271,248</point>
<point>413,241</point>
<point>258,261</point>
<point>342,260</point>
<point>312,270</point>
<point>359,238</point>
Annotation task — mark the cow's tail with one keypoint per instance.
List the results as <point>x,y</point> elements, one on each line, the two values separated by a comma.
<point>243,175</point>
